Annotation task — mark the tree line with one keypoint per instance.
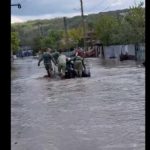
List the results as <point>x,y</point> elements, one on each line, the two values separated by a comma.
<point>117,27</point>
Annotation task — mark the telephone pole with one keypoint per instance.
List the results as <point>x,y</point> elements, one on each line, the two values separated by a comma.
<point>83,23</point>
<point>66,33</point>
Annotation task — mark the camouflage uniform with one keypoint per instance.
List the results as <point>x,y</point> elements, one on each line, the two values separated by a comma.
<point>55,55</point>
<point>47,58</point>
<point>79,65</point>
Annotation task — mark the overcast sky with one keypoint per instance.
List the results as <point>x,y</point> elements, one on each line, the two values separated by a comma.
<point>47,9</point>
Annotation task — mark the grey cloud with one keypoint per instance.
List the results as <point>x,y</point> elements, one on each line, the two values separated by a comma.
<point>42,7</point>
<point>52,8</point>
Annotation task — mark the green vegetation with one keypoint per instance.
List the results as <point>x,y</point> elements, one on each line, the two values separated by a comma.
<point>114,27</point>
<point>126,29</point>
<point>14,42</point>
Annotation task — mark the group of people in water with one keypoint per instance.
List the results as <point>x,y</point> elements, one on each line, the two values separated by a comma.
<point>67,67</point>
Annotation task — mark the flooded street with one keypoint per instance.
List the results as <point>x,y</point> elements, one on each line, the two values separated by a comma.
<point>103,112</point>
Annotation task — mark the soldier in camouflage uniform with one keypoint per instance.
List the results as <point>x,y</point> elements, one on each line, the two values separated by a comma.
<point>47,58</point>
<point>79,65</point>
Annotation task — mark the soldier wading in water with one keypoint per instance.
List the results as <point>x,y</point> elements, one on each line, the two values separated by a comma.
<point>47,58</point>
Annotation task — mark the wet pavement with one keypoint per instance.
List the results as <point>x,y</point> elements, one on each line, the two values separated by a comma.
<point>103,112</point>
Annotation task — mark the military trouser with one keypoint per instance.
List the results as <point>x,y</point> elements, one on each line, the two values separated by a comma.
<point>48,67</point>
<point>78,67</point>
<point>62,68</point>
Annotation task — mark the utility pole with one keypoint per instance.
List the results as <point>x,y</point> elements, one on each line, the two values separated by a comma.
<point>39,28</point>
<point>83,23</point>
<point>66,33</point>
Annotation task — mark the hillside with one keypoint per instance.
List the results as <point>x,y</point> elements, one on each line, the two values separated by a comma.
<point>57,23</point>
<point>111,27</point>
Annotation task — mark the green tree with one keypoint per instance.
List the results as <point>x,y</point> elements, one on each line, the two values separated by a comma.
<point>37,43</point>
<point>14,42</point>
<point>52,39</point>
<point>107,29</point>
<point>126,29</point>
<point>75,36</point>
<point>136,22</point>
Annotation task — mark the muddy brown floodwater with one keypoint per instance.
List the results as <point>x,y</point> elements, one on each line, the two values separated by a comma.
<point>103,112</point>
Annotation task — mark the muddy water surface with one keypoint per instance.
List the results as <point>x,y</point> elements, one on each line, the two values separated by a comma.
<point>104,112</point>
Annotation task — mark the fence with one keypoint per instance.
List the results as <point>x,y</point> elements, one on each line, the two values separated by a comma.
<point>114,51</point>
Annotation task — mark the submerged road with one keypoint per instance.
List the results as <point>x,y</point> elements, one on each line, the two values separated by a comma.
<point>104,112</point>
